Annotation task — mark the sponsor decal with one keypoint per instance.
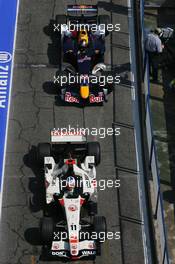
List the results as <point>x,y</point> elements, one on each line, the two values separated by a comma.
<point>72,208</point>
<point>86,58</point>
<point>4,84</point>
<point>59,253</point>
<point>74,252</point>
<point>88,252</point>
<point>55,246</point>
<point>82,8</point>
<point>67,133</point>
<point>5,57</point>
<point>70,99</point>
<point>73,238</point>
<point>91,245</point>
<point>96,99</point>
<point>74,246</point>
<point>7,33</point>
<point>94,182</point>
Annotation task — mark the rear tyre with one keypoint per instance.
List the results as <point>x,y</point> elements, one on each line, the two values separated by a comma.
<point>43,150</point>
<point>100,228</point>
<point>94,150</point>
<point>60,20</point>
<point>46,230</point>
<point>63,75</point>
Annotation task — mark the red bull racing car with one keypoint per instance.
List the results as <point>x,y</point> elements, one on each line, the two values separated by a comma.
<point>74,231</point>
<point>82,34</point>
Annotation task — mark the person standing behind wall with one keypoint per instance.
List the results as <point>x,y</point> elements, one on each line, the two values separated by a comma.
<point>154,48</point>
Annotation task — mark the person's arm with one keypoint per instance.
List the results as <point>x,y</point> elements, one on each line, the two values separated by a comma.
<point>159,46</point>
<point>146,44</point>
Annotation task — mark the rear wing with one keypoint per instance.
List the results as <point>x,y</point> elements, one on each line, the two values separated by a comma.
<point>79,10</point>
<point>58,136</point>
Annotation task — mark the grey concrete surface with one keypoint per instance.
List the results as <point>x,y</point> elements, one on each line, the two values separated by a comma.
<point>34,112</point>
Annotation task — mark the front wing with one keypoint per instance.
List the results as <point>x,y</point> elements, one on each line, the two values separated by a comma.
<point>87,248</point>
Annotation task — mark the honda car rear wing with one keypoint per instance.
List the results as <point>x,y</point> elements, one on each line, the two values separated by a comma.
<point>58,136</point>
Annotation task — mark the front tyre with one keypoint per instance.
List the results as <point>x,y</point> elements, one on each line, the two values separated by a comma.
<point>100,228</point>
<point>46,230</point>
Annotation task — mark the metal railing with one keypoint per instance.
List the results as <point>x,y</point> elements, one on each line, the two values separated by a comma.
<point>153,158</point>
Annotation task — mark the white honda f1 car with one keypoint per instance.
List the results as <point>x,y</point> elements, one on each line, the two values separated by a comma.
<point>74,230</point>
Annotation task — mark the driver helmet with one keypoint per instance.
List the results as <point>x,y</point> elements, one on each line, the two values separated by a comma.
<point>70,183</point>
<point>83,38</point>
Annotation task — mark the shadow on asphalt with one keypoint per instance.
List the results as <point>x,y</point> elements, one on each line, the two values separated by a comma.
<point>50,88</point>
<point>32,236</point>
<point>36,184</point>
<point>111,7</point>
<point>54,48</point>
